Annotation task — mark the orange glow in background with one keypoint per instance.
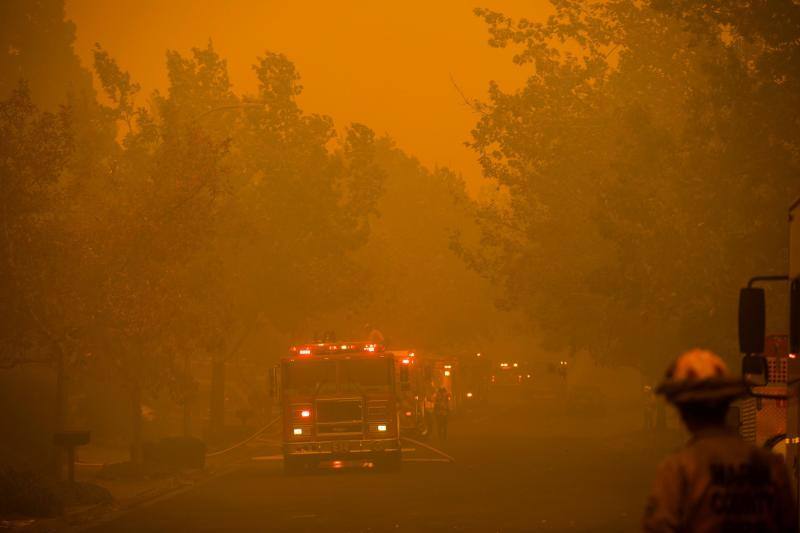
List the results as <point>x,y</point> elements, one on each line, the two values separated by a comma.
<point>385,64</point>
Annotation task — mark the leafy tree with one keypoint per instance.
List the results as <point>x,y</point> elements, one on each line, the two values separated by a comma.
<point>149,217</point>
<point>34,148</point>
<point>420,292</point>
<point>37,44</point>
<point>625,165</point>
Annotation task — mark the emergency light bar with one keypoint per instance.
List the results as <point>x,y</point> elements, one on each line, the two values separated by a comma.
<point>326,348</point>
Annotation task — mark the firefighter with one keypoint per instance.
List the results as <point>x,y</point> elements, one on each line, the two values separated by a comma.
<point>441,408</point>
<point>717,481</point>
<point>429,416</point>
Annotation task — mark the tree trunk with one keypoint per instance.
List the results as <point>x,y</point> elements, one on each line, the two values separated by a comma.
<point>136,424</point>
<point>60,419</point>
<point>188,396</point>
<point>61,393</point>
<point>217,408</point>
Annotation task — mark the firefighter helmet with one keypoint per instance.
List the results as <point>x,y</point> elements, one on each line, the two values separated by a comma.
<point>700,376</point>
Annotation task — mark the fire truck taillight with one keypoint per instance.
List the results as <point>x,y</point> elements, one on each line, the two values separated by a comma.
<point>382,427</point>
<point>305,413</point>
<point>297,431</point>
<point>406,361</point>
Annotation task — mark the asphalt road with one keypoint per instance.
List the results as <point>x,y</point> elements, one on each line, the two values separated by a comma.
<point>520,469</point>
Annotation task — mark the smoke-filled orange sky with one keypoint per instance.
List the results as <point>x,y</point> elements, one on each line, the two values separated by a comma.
<point>385,64</point>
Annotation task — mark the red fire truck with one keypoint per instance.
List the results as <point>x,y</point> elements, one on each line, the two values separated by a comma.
<point>772,366</point>
<point>339,406</point>
<point>420,376</point>
<point>410,392</point>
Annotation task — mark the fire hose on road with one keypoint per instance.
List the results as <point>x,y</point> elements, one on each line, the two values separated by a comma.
<point>270,424</point>
<point>255,435</point>
<point>245,441</point>
<point>449,458</point>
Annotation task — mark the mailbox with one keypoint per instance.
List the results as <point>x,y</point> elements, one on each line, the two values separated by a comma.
<point>70,439</point>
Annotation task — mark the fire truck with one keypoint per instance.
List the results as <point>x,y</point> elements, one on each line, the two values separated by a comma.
<point>410,386</point>
<point>418,377</point>
<point>774,378</point>
<point>510,382</point>
<point>474,376</point>
<point>761,417</point>
<point>339,406</point>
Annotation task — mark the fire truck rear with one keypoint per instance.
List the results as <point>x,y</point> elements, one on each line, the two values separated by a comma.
<point>339,406</point>
<point>770,366</point>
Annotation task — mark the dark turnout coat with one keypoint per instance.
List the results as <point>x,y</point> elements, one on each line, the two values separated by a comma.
<point>720,483</point>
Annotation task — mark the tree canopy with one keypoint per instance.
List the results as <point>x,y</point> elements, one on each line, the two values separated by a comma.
<point>625,163</point>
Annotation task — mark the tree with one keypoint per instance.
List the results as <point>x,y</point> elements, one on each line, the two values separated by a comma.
<point>37,44</point>
<point>625,164</point>
<point>420,292</point>
<point>150,217</point>
<point>34,148</point>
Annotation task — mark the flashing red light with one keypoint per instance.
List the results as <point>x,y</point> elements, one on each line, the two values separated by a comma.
<point>412,354</point>
<point>337,464</point>
<point>322,349</point>
<point>305,413</point>
<point>792,356</point>
<point>408,413</point>
<point>406,361</point>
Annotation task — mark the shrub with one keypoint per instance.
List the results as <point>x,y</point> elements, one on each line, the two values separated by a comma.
<point>28,494</point>
<point>176,453</point>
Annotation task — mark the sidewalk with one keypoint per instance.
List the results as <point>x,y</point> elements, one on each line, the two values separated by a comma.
<point>129,492</point>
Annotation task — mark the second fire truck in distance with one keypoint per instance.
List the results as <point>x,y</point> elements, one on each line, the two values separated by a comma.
<point>420,375</point>
<point>339,406</point>
<point>411,392</point>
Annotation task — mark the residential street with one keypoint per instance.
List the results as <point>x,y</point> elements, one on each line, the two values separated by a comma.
<point>523,469</point>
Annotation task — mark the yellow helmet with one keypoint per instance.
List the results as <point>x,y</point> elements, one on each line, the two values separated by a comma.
<point>700,375</point>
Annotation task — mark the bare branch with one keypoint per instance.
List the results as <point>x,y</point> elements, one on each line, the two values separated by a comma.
<point>467,102</point>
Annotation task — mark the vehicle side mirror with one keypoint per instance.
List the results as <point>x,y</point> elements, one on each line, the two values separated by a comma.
<point>754,370</point>
<point>752,320</point>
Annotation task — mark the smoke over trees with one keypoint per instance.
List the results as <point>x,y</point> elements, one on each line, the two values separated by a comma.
<point>639,177</point>
<point>642,176</point>
<point>146,233</point>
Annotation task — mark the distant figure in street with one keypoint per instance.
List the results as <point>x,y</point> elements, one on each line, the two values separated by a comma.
<point>717,482</point>
<point>429,416</point>
<point>441,408</point>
